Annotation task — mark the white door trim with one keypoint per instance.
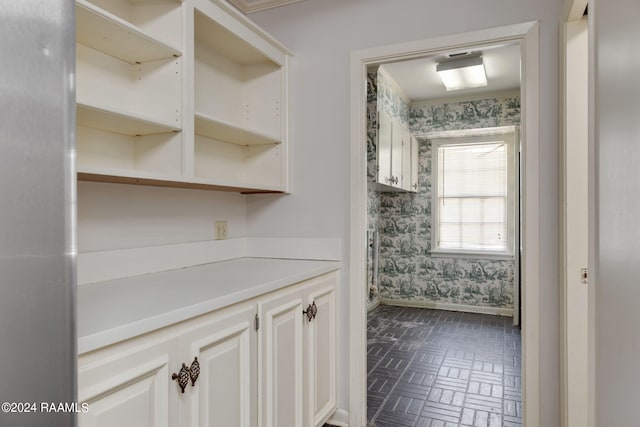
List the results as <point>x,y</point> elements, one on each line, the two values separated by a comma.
<point>527,35</point>
<point>575,406</point>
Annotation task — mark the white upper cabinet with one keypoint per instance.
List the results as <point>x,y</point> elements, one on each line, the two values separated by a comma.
<point>396,152</point>
<point>129,87</point>
<point>239,81</point>
<point>385,138</point>
<point>406,159</point>
<point>414,149</point>
<point>397,162</point>
<point>409,161</point>
<point>179,93</point>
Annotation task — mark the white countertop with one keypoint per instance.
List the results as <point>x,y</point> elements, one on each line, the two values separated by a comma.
<point>116,310</point>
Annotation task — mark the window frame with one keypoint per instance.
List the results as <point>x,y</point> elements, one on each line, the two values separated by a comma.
<point>508,138</point>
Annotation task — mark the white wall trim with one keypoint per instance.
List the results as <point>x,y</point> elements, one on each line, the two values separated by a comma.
<point>571,413</point>
<point>339,419</point>
<point>574,9</point>
<point>115,264</point>
<point>527,35</point>
<point>258,5</point>
<point>295,248</point>
<point>496,311</point>
<point>371,306</point>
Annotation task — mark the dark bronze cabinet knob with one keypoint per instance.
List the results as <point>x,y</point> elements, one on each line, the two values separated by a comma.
<point>187,373</point>
<point>194,371</point>
<point>182,377</point>
<point>311,311</point>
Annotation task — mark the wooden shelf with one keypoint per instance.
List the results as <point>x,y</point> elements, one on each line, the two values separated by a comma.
<point>118,122</point>
<point>227,132</point>
<point>158,180</point>
<point>243,187</point>
<point>107,33</point>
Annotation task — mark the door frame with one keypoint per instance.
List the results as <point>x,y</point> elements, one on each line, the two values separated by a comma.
<point>526,34</point>
<point>572,15</point>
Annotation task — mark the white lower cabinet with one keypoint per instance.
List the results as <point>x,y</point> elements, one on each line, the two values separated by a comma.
<point>129,387</point>
<point>281,346</point>
<point>281,375</point>
<point>321,340</point>
<point>297,351</point>
<point>224,394</point>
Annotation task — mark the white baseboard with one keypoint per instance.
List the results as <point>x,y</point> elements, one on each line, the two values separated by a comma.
<point>373,305</point>
<point>115,264</point>
<point>340,418</point>
<point>508,312</point>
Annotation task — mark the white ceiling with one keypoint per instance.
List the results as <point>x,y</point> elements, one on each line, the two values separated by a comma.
<point>419,80</point>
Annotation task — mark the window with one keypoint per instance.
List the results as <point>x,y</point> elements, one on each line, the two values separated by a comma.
<point>474,195</point>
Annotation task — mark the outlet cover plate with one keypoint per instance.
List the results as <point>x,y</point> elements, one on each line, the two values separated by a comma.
<point>221,230</point>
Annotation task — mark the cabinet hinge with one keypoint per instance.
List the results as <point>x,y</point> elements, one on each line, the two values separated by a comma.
<point>257,322</point>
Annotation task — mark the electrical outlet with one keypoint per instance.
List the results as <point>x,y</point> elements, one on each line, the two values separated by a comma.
<point>221,230</point>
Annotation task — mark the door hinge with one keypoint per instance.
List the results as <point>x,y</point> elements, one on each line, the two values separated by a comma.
<point>257,322</point>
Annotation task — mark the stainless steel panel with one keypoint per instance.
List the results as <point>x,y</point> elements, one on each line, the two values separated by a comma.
<point>37,197</point>
<point>615,290</point>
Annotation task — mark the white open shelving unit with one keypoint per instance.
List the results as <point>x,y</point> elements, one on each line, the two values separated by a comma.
<point>181,94</point>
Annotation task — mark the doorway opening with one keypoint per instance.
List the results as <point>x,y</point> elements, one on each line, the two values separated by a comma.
<point>444,235</point>
<point>405,290</point>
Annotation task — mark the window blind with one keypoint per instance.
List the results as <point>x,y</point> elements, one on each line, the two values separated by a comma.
<point>472,196</point>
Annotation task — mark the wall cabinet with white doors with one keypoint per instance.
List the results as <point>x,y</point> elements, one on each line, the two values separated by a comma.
<point>282,375</point>
<point>397,155</point>
<point>179,93</point>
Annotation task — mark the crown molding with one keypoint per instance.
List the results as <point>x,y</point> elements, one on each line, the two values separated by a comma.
<point>250,6</point>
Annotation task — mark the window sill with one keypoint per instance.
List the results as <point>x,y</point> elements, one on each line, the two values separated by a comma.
<point>506,256</point>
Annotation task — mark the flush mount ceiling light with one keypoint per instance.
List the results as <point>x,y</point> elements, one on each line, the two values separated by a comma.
<point>462,72</point>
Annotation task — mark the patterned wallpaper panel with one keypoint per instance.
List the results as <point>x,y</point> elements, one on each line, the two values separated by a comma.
<point>380,94</point>
<point>482,113</point>
<point>407,272</point>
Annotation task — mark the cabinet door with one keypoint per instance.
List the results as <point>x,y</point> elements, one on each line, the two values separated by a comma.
<point>384,148</point>
<point>225,392</point>
<point>321,351</point>
<point>414,163</point>
<point>396,152</point>
<point>281,356</point>
<point>406,158</point>
<point>130,388</point>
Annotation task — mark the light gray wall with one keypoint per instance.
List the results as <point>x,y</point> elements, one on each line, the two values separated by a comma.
<point>616,38</point>
<point>322,33</point>
<point>117,216</point>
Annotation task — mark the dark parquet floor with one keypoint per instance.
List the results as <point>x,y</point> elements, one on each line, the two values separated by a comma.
<point>432,368</point>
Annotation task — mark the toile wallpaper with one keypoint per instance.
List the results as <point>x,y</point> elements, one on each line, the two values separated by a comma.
<point>406,270</point>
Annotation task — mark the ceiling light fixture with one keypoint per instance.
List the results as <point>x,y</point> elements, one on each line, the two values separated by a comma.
<point>462,72</point>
